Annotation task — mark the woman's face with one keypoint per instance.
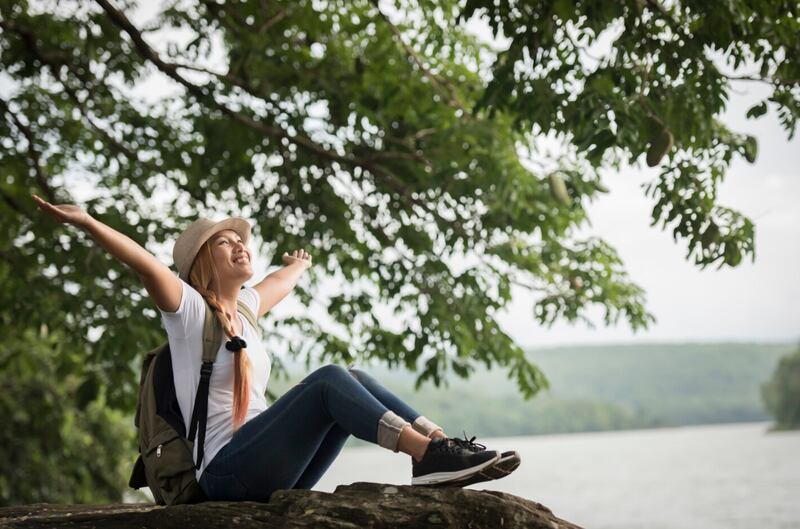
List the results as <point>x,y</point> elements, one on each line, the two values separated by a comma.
<point>232,258</point>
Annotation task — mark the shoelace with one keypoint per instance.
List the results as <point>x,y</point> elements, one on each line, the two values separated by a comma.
<point>468,444</point>
<point>450,446</point>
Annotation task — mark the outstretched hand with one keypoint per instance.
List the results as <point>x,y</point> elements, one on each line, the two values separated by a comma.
<point>63,213</point>
<point>297,256</point>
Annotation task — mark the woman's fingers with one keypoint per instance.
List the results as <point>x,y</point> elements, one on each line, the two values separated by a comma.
<point>39,202</point>
<point>48,208</point>
<point>62,213</point>
<point>301,255</point>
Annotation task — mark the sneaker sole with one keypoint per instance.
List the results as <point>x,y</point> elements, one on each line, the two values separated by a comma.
<point>508,463</point>
<point>456,476</point>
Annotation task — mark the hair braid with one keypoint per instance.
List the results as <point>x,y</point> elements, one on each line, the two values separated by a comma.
<point>202,272</point>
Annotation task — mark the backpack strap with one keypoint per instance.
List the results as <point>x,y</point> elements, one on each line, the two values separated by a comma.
<point>212,336</point>
<point>249,316</point>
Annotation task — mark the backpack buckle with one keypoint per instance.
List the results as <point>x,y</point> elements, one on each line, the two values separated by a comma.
<point>205,369</point>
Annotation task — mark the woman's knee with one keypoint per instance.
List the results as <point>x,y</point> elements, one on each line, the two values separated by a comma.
<point>365,379</point>
<point>357,374</point>
<point>331,372</point>
<point>336,374</point>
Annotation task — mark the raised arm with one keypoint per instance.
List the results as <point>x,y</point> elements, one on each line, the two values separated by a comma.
<point>279,283</point>
<point>163,286</point>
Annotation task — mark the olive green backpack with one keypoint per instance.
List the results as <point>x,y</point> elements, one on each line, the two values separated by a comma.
<point>165,462</point>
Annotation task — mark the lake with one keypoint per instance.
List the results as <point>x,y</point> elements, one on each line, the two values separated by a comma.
<point>732,476</point>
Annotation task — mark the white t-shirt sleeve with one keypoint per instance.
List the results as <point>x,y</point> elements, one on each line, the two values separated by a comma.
<point>190,313</point>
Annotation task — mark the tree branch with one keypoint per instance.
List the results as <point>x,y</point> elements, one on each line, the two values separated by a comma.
<point>33,154</point>
<point>390,180</point>
<point>13,204</point>
<point>442,85</point>
<point>8,199</point>
<point>217,8</point>
<point>235,81</point>
<point>678,30</point>
<point>203,93</point>
<point>54,62</point>
<point>7,257</point>
<point>769,80</point>
<point>271,21</point>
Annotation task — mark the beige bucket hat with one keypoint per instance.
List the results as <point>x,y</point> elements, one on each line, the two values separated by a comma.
<point>198,232</point>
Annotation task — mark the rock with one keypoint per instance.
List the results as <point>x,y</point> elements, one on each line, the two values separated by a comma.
<point>356,506</point>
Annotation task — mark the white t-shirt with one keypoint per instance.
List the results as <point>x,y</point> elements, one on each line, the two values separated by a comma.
<point>185,332</point>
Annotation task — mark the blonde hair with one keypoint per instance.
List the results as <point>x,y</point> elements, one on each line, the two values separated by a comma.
<point>200,276</point>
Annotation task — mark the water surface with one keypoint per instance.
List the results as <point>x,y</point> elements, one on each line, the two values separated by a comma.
<point>735,476</point>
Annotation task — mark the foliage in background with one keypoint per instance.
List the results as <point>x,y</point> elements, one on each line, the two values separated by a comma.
<point>60,441</point>
<point>619,80</point>
<point>782,393</point>
<point>403,154</point>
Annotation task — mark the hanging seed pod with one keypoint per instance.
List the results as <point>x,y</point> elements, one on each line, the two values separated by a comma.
<point>660,144</point>
<point>559,189</point>
<point>750,149</point>
<point>710,235</point>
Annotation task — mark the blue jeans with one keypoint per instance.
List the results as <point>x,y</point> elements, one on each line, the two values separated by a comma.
<point>293,442</point>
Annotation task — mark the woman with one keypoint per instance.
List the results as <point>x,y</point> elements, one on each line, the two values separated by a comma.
<point>252,449</point>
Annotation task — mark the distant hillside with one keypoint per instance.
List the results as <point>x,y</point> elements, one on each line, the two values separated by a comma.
<point>601,388</point>
<point>677,384</point>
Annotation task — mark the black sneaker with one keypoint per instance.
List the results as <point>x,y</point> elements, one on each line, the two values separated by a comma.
<point>446,461</point>
<point>508,462</point>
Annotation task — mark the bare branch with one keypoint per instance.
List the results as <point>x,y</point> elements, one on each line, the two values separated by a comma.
<point>223,76</point>
<point>769,80</point>
<point>272,21</point>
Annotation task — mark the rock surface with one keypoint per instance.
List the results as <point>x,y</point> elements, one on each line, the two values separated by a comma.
<point>360,505</point>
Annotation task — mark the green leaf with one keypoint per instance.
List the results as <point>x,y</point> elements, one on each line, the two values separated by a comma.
<point>758,110</point>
